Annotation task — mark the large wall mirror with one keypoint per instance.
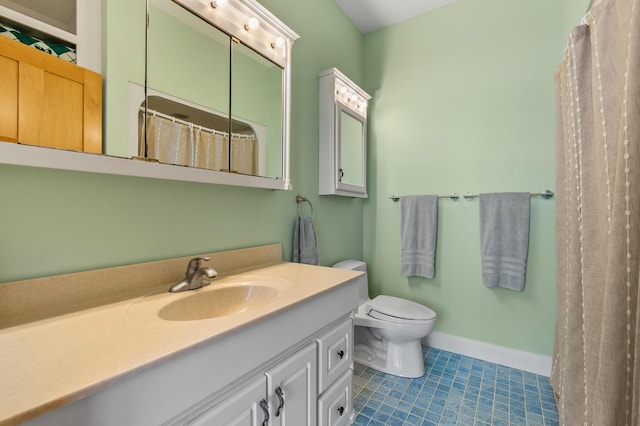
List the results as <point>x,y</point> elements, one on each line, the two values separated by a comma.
<point>257,100</point>
<point>213,106</point>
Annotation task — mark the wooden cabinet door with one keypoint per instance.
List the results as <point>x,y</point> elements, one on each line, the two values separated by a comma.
<point>50,102</point>
<point>9,68</point>
<point>292,389</point>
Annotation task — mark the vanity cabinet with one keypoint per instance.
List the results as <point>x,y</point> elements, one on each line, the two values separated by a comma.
<point>295,361</point>
<point>284,395</point>
<point>312,386</point>
<point>343,136</point>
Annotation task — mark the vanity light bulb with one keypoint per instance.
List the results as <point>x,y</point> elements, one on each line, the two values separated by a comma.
<point>278,42</point>
<point>342,90</point>
<point>252,24</point>
<point>217,3</point>
<point>353,98</point>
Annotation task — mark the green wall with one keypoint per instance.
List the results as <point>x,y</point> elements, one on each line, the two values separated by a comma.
<point>123,43</point>
<point>56,222</point>
<point>463,101</point>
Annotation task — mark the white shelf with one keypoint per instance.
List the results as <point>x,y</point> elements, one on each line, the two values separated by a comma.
<point>87,25</point>
<point>38,25</point>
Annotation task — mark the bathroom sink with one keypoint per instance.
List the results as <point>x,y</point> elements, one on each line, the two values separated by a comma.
<point>219,301</point>
<point>222,298</point>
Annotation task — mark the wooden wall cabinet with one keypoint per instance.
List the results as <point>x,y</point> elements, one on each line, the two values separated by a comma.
<point>46,101</point>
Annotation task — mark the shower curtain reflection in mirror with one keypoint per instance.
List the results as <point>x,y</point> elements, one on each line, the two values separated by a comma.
<point>173,141</point>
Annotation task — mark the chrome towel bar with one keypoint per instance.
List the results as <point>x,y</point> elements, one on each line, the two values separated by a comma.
<point>453,196</point>
<point>546,194</point>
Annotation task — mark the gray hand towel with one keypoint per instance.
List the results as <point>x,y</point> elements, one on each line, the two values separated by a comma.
<point>418,230</point>
<point>504,238</point>
<point>305,249</point>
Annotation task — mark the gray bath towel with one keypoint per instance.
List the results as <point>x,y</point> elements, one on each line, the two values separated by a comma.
<point>418,230</point>
<point>504,238</point>
<point>305,249</point>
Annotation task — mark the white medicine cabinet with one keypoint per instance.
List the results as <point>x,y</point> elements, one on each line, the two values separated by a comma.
<point>343,136</point>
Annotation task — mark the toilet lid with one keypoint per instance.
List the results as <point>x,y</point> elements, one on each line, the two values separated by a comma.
<point>389,307</point>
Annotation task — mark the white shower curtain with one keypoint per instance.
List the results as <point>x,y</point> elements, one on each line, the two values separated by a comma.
<point>175,142</point>
<point>596,362</point>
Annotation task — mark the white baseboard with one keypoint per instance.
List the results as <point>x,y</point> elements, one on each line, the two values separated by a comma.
<point>526,361</point>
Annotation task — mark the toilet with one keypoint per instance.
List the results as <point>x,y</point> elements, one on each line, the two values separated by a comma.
<point>388,330</point>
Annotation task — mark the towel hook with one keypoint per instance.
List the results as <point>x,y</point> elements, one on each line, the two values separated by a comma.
<point>300,200</point>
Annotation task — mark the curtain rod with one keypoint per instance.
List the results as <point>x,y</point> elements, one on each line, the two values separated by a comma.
<point>546,194</point>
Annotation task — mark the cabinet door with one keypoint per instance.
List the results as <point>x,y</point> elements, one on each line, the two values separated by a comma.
<point>292,391</point>
<point>47,101</point>
<point>62,100</point>
<point>335,405</point>
<point>243,408</point>
<point>9,68</point>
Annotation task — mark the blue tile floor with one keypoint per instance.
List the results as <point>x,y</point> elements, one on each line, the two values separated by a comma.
<point>456,390</point>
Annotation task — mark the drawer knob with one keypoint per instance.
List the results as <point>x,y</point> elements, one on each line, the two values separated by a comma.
<point>341,410</point>
<point>340,354</point>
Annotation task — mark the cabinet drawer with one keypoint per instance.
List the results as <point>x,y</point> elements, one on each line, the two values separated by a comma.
<point>334,354</point>
<point>334,407</point>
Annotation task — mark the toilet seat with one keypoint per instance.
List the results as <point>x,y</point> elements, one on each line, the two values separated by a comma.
<point>399,311</point>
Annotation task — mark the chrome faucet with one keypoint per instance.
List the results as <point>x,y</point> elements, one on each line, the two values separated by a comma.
<point>195,276</point>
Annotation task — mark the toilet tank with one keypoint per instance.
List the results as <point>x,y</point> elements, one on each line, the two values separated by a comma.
<point>363,285</point>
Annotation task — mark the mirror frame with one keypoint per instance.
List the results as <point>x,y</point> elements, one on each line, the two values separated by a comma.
<point>37,156</point>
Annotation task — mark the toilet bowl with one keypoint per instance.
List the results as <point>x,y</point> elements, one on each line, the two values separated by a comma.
<point>388,330</point>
